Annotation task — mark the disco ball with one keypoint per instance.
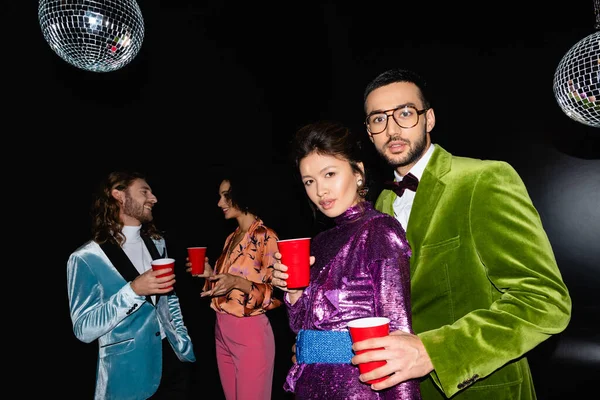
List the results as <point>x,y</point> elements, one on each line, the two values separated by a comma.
<point>94,35</point>
<point>577,81</point>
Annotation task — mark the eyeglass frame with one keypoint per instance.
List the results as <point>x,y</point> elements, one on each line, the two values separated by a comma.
<point>387,117</point>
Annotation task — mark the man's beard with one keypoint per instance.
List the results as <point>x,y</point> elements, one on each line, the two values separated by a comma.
<point>415,151</point>
<point>136,210</point>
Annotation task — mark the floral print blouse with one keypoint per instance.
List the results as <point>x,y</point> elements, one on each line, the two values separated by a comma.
<point>252,258</point>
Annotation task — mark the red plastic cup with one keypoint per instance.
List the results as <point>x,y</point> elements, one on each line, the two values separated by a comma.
<point>295,254</point>
<point>162,263</point>
<point>197,256</point>
<point>366,328</point>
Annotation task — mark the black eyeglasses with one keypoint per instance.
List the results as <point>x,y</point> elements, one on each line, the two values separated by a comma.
<point>405,116</point>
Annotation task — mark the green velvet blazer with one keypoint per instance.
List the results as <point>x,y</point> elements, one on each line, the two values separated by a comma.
<point>485,285</point>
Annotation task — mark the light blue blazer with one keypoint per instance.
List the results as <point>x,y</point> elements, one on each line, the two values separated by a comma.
<point>105,308</point>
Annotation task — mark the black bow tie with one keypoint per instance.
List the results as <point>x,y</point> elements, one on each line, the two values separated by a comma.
<point>409,182</point>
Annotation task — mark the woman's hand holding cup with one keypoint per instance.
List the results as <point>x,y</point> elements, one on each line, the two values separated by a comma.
<point>208,271</point>
<point>280,275</point>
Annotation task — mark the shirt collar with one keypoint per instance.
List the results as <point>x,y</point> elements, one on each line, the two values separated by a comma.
<point>132,233</point>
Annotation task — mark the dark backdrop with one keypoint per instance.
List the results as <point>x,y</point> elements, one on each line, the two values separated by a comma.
<point>219,84</point>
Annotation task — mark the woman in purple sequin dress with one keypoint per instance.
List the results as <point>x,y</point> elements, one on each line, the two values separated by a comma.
<point>361,266</point>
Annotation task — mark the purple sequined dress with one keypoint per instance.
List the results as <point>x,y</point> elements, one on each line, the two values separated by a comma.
<point>361,270</point>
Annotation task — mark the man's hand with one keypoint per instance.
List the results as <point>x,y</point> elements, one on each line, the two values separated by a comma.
<point>405,355</point>
<point>148,284</point>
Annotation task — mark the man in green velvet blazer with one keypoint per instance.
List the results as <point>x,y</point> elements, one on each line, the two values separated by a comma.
<point>485,286</point>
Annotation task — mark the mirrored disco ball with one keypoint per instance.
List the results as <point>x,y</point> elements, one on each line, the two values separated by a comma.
<point>94,35</point>
<point>577,81</point>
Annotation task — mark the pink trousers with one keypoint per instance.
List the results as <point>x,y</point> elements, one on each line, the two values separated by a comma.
<point>245,356</point>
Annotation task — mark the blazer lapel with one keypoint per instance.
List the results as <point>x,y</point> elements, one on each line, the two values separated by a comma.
<point>119,259</point>
<point>152,248</point>
<point>155,255</point>
<point>427,196</point>
<point>122,263</point>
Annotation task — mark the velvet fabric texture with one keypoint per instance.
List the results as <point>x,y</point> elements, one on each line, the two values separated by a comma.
<point>361,269</point>
<point>104,308</point>
<point>485,284</point>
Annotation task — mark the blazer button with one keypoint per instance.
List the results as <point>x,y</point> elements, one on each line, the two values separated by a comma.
<point>157,334</point>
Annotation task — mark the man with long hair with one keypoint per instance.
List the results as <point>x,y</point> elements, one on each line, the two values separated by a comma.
<point>117,299</point>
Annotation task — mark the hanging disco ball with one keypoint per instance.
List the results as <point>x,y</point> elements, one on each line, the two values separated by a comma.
<point>577,81</point>
<point>94,35</point>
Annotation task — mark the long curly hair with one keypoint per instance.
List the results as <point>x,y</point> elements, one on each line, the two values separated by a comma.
<point>106,222</point>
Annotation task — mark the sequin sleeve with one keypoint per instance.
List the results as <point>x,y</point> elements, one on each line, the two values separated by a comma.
<point>297,311</point>
<point>390,271</point>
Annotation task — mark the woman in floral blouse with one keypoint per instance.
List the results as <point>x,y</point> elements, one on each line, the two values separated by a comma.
<point>241,294</point>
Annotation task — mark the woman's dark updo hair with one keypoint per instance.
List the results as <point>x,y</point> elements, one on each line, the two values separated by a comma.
<point>328,138</point>
<point>242,190</point>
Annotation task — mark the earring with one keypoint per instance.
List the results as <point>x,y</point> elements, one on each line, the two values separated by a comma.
<point>362,190</point>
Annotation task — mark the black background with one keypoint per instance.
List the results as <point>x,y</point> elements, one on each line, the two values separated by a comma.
<point>220,84</point>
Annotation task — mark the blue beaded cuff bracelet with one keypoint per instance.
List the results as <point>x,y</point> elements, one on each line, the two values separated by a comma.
<point>326,347</point>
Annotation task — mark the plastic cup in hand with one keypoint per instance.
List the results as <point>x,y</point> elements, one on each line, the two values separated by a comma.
<point>366,328</point>
<point>197,256</point>
<point>162,263</point>
<point>295,254</point>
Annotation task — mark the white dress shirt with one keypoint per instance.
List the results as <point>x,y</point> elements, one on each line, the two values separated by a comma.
<point>403,205</point>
